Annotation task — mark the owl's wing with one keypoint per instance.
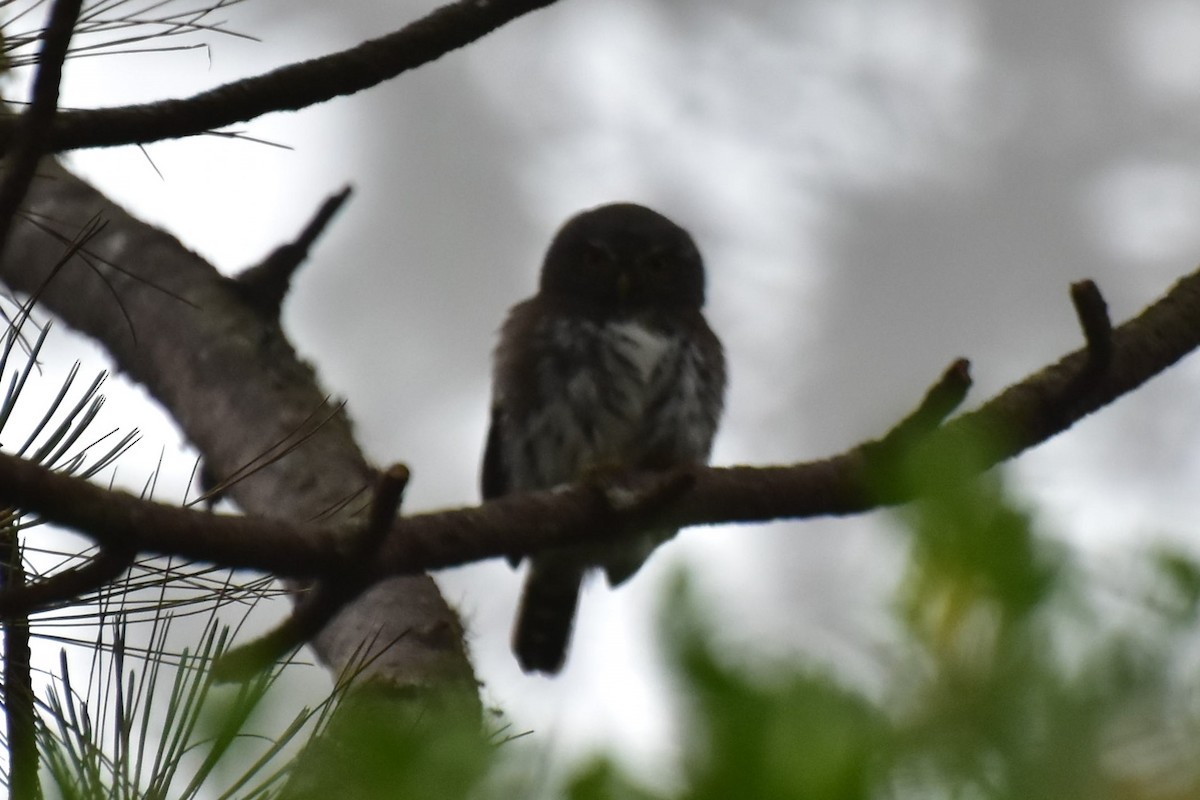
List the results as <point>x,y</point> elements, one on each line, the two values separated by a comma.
<point>494,480</point>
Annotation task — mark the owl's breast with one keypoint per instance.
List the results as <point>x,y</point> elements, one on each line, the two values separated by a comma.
<point>613,395</point>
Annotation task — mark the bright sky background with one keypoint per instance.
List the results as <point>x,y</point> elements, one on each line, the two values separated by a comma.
<point>879,187</point>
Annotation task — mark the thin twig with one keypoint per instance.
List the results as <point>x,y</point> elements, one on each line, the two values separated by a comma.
<point>108,565</point>
<point>289,88</point>
<point>265,284</point>
<point>940,401</point>
<point>887,459</point>
<point>1093,318</point>
<point>277,451</point>
<point>385,505</point>
<point>29,138</point>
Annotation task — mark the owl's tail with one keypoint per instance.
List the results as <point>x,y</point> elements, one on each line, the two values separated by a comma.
<point>546,615</point>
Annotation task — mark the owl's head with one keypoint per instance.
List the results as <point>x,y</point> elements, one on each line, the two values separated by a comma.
<point>623,258</point>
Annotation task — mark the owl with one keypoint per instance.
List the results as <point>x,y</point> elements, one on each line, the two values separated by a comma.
<point>609,368</point>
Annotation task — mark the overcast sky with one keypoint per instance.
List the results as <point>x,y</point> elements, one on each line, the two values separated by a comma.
<point>878,187</point>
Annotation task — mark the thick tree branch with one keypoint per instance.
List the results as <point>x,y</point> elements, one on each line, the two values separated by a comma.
<point>289,88</point>
<point>233,383</point>
<point>1022,416</point>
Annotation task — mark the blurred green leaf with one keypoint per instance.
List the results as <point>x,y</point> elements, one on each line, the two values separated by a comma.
<point>797,735</point>
<point>602,780</point>
<point>384,743</point>
<point>1179,588</point>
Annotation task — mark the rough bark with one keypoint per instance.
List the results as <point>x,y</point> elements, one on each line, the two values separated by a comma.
<point>237,389</point>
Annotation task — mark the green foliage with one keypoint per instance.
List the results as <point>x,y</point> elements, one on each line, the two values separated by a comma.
<point>400,744</point>
<point>601,779</point>
<point>1010,682</point>
<point>134,725</point>
<point>799,735</point>
<point>148,743</point>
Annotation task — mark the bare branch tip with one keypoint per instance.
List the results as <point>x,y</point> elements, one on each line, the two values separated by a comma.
<point>941,399</point>
<point>939,402</point>
<point>339,198</point>
<point>959,371</point>
<point>265,284</point>
<point>396,474</point>
<point>1092,311</point>
<point>385,505</point>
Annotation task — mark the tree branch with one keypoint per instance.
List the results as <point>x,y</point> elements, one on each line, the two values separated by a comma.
<point>16,690</point>
<point>104,568</point>
<point>1030,412</point>
<point>236,387</point>
<point>289,88</point>
<point>1093,318</point>
<point>317,607</point>
<point>265,284</point>
<point>29,139</point>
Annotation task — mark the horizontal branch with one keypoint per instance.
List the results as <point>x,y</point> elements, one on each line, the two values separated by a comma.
<point>1022,416</point>
<point>289,88</point>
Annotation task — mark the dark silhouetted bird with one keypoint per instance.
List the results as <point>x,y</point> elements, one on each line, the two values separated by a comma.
<point>610,367</point>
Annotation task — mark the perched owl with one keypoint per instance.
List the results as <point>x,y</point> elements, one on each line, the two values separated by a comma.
<point>609,367</point>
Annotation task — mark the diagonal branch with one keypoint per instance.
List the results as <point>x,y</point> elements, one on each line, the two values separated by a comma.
<point>289,88</point>
<point>105,567</point>
<point>1022,416</point>
<point>265,284</point>
<point>237,388</point>
<point>29,139</point>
